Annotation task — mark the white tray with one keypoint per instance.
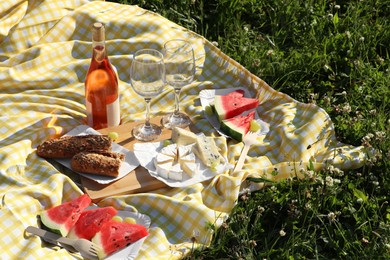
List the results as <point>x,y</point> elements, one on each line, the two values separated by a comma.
<point>127,166</point>
<point>146,152</point>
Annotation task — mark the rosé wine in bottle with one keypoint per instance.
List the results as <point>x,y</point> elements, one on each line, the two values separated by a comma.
<point>101,85</point>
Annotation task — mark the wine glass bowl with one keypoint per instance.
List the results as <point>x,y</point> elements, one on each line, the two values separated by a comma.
<point>147,74</point>
<point>179,63</point>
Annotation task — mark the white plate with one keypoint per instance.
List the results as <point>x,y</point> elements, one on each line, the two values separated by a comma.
<point>127,166</point>
<point>146,152</point>
<point>207,96</point>
<point>130,252</point>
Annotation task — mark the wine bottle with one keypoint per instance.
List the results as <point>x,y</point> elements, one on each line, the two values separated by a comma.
<point>101,85</point>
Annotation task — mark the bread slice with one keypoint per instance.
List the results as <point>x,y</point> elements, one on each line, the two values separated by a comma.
<point>98,162</point>
<point>68,146</point>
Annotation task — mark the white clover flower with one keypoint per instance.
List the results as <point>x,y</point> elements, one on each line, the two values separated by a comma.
<point>348,34</point>
<point>282,233</point>
<point>329,181</point>
<point>337,7</point>
<point>347,108</point>
<point>339,172</point>
<point>331,216</point>
<point>359,200</point>
<point>310,174</point>
<point>270,52</point>
<point>380,136</point>
<point>260,209</point>
<point>361,39</point>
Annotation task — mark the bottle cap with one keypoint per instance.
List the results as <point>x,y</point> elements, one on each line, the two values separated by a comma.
<point>98,32</point>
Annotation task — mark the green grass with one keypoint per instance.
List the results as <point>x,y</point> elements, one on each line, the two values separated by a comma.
<point>334,54</point>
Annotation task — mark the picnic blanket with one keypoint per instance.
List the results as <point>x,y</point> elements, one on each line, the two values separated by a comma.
<point>45,51</point>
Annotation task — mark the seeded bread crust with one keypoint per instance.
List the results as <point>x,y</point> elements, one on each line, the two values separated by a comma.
<point>98,162</point>
<point>68,146</point>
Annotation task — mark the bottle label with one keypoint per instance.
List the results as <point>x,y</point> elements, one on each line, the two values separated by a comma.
<point>113,114</point>
<point>113,117</point>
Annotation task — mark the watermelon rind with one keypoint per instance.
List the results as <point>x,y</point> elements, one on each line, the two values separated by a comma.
<point>61,218</point>
<point>237,127</point>
<point>230,129</point>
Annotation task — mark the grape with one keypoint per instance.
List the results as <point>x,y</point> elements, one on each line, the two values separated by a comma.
<point>255,126</point>
<point>113,135</point>
<point>167,142</point>
<point>117,218</point>
<point>130,220</point>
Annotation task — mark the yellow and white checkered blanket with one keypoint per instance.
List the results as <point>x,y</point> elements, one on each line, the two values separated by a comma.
<point>45,50</point>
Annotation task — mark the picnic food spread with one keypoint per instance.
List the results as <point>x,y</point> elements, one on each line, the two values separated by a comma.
<point>44,64</point>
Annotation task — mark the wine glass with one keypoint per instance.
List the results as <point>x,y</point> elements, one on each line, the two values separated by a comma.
<point>179,71</point>
<point>147,72</point>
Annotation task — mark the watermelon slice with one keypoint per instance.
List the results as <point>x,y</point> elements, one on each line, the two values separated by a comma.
<point>237,127</point>
<point>90,222</point>
<point>61,218</point>
<point>116,235</point>
<point>233,104</point>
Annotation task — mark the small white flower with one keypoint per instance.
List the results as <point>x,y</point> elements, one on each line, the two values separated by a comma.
<point>380,136</point>
<point>359,200</point>
<point>361,39</point>
<point>329,181</point>
<point>347,108</point>
<point>282,233</point>
<point>337,7</point>
<point>331,216</point>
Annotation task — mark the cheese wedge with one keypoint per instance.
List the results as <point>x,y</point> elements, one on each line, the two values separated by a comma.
<point>176,173</point>
<point>173,160</point>
<point>182,136</point>
<point>188,164</point>
<point>207,151</point>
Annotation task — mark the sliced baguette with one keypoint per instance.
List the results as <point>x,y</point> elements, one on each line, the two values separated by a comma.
<point>98,162</point>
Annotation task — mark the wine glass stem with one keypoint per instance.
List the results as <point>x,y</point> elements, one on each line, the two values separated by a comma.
<point>177,101</point>
<point>147,116</point>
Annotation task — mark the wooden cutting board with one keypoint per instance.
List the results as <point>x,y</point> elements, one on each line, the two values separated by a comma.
<point>137,181</point>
